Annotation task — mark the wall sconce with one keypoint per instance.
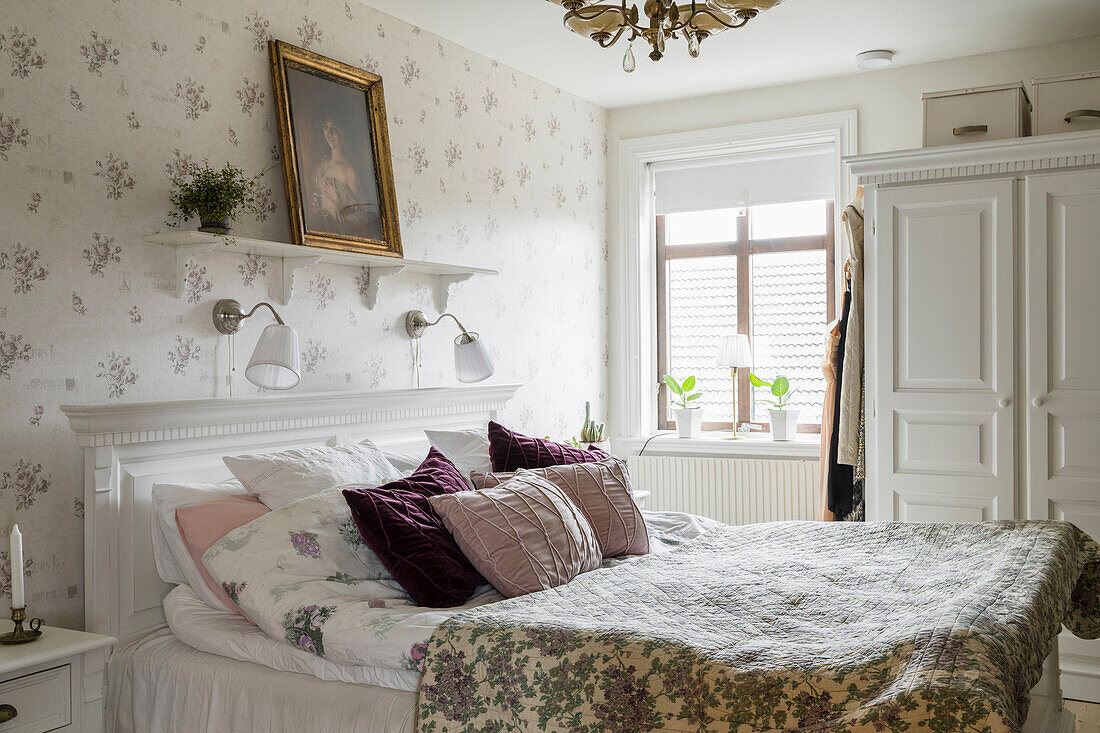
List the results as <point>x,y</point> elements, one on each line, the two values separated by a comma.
<point>472,360</point>
<point>275,362</point>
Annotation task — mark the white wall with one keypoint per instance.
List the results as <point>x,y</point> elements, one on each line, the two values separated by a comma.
<point>98,102</point>
<point>888,102</point>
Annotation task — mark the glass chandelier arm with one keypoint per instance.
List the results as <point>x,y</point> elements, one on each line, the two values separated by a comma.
<point>717,19</point>
<point>609,42</point>
<point>269,307</point>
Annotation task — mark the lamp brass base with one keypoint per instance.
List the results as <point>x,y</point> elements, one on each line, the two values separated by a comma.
<point>19,635</point>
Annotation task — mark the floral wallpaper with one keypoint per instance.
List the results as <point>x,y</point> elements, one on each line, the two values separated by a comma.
<point>102,105</point>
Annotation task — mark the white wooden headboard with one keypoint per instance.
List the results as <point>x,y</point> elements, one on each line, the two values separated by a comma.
<point>131,446</point>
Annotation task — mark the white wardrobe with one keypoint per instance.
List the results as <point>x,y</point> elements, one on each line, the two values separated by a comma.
<point>983,339</point>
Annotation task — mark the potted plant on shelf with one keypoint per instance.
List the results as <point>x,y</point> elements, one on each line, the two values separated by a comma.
<point>689,418</point>
<point>215,196</point>
<point>784,420</point>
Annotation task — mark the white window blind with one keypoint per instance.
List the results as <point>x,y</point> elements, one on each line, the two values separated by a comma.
<point>746,179</point>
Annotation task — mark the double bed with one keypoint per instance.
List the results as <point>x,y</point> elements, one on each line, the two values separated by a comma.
<point>719,628</point>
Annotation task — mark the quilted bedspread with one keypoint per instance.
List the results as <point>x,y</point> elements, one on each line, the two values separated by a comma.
<point>778,627</point>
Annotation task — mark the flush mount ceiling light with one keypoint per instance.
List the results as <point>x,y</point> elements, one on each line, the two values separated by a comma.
<point>695,21</point>
<point>870,60</point>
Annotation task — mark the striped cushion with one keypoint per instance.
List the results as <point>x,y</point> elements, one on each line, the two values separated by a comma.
<point>524,535</point>
<point>602,492</point>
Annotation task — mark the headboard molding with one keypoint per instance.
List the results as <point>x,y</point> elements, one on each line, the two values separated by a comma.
<point>130,446</point>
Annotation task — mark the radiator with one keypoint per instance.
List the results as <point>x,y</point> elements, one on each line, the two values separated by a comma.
<point>731,490</point>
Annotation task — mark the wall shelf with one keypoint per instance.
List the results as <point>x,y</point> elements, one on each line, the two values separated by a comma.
<point>191,244</point>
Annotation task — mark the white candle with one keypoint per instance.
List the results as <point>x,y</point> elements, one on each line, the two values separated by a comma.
<point>17,599</point>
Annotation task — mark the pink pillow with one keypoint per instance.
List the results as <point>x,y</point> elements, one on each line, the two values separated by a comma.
<point>601,491</point>
<point>201,525</point>
<point>523,536</point>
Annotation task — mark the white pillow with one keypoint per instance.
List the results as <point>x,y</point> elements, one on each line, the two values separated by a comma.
<point>173,560</point>
<point>467,449</point>
<point>279,478</point>
<point>405,463</point>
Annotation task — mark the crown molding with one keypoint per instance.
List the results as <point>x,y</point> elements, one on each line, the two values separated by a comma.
<point>997,157</point>
<point>143,422</point>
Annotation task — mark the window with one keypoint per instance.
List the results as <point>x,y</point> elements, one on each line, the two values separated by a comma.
<point>766,271</point>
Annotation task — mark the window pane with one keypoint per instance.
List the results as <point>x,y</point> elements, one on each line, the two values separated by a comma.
<point>702,305</point>
<point>801,219</point>
<point>788,311</point>
<point>699,227</point>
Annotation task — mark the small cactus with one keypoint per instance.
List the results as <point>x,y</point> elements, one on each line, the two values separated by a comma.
<point>591,432</point>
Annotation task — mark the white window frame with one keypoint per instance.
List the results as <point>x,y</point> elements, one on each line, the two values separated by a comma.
<point>633,290</point>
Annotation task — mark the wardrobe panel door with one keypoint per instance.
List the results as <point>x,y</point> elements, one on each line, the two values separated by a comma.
<point>1063,343</point>
<point>1063,375</point>
<point>941,344</point>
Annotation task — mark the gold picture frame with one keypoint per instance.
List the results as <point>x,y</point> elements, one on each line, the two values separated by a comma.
<point>336,153</point>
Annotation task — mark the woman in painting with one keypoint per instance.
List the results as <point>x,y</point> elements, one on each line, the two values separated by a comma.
<point>342,202</point>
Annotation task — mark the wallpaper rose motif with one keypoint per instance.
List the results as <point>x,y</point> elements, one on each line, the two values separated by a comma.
<point>101,112</point>
<point>24,266</point>
<point>99,53</point>
<point>11,134</point>
<point>22,50</point>
<point>113,171</point>
<point>116,371</point>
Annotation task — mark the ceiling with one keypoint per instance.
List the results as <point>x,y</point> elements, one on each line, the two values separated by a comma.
<point>796,41</point>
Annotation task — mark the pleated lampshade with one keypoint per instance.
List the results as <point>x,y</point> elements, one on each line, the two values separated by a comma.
<point>472,360</point>
<point>276,361</point>
<point>734,351</point>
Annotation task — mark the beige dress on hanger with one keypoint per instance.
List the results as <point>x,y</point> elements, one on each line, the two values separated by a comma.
<point>851,381</point>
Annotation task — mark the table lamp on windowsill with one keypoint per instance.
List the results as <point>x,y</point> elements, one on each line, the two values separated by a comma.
<point>734,352</point>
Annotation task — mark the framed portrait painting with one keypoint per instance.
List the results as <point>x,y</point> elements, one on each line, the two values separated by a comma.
<point>336,153</point>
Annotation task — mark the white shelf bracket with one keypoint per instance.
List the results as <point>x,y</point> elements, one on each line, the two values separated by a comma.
<point>374,279</point>
<point>184,254</point>
<point>443,285</point>
<point>290,266</point>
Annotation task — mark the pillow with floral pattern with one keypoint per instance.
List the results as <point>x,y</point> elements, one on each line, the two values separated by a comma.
<point>312,539</point>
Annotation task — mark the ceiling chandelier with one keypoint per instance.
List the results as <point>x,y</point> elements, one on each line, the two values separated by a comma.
<point>695,20</point>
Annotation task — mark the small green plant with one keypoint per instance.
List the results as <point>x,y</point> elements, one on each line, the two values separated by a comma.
<point>780,387</point>
<point>591,432</point>
<point>682,392</point>
<point>215,196</point>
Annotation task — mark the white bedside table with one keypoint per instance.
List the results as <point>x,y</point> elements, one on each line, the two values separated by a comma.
<point>57,683</point>
<point>639,497</point>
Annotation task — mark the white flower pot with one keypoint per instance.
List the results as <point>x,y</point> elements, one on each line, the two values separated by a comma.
<point>784,424</point>
<point>688,422</point>
<point>604,445</point>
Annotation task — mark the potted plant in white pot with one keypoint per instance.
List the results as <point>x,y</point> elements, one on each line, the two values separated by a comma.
<point>689,418</point>
<point>783,419</point>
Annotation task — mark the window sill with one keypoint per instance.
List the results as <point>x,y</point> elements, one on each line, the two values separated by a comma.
<point>806,446</point>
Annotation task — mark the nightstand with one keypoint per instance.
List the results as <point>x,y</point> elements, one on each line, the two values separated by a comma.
<point>56,684</point>
<point>639,497</point>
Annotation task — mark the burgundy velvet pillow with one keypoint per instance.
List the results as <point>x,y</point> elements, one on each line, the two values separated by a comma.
<point>399,525</point>
<point>509,451</point>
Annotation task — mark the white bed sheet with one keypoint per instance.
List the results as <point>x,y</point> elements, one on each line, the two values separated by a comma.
<point>158,684</point>
<point>227,634</point>
<point>231,635</point>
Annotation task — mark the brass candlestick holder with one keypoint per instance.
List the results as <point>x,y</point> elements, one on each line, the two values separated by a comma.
<point>19,635</point>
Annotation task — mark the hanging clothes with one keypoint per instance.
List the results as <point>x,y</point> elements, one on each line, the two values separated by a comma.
<point>840,490</point>
<point>828,417</point>
<point>850,411</point>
